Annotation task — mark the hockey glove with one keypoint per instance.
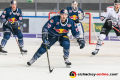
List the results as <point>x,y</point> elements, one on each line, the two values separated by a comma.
<point>81,42</point>
<point>109,23</point>
<point>15,24</point>
<point>8,24</point>
<point>45,38</point>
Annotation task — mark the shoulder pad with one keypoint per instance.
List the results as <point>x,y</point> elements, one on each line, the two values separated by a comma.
<point>70,20</point>
<point>7,8</point>
<point>68,7</point>
<point>110,7</point>
<point>55,18</point>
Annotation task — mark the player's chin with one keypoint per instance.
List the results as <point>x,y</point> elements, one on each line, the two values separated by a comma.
<point>64,19</point>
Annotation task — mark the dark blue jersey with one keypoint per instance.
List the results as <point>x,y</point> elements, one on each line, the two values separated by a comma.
<point>9,15</point>
<point>74,14</point>
<point>56,28</point>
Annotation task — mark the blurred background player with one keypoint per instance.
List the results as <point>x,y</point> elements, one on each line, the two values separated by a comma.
<point>76,14</point>
<point>56,29</point>
<point>111,16</point>
<point>11,17</point>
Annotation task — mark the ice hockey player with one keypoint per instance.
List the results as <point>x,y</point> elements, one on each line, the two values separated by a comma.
<point>77,15</point>
<point>56,29</point>
<point>11,18</point>
<point>111,16</point>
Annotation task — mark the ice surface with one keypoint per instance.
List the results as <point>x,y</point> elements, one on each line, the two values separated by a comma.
<point>12,67</point>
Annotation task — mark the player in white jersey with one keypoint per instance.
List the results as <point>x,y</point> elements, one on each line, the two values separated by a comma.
<point>111,16</point>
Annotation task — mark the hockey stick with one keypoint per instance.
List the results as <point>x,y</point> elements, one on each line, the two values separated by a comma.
<point>16,39</point>
<point>115,29</point>
<point>48,61</point>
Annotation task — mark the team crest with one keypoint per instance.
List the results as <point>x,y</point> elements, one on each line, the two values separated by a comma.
<point>69,25</point>
<point>51,21</point>
<point>18,14</point>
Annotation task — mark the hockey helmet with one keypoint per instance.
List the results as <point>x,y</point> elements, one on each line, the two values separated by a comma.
<point>74,2</point>
<point>63,11</point>
<point>117,1</point>
<point>13,2</point>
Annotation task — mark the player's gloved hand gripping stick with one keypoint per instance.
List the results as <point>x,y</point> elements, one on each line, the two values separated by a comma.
<point>115,29</point>
<point>109,22</point>
<point>15,38</point>
<point>46,42</point>
<point>81,42</point>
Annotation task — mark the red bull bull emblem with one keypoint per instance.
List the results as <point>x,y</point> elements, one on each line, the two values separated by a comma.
<point>74,17</point>
<point>61,30</point>
<point>12,20</point>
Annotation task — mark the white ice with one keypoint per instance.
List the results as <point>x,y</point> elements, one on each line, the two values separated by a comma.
<point>12,67</point>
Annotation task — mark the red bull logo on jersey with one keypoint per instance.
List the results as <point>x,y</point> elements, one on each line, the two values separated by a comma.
<point>61,30</point>
<point>74,17</point>
<point>51,21</point>
<point>12,20</point>
<point>4,12</point>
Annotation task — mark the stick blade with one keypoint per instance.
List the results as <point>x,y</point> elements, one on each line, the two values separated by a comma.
<point>51,70</point>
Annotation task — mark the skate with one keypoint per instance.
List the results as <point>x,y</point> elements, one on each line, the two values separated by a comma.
<point>23,50</point>
<point>68,64</point>
<point>2,50</point>
<point>94,52</point>
<point>29,63</point>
